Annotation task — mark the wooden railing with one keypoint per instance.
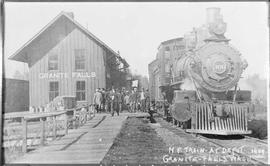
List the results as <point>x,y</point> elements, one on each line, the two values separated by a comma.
<point>42,117</point>
<point>67,119</point>
<point>80,115</point>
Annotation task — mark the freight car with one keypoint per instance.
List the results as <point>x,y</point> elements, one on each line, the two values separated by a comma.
<point>198,76</point>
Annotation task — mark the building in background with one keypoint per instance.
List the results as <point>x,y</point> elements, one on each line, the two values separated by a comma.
<point>153,70</point>
<point>16,95</point>
<point>160,71</point>
<point>65,59</point>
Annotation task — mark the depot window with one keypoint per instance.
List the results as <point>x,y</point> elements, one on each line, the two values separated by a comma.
<point>53,62</point>
<point>79,59</point>
<point>80,90</point>
<point>53,90</point>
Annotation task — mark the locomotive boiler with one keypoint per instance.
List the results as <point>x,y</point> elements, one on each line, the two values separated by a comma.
<point>199,77</point>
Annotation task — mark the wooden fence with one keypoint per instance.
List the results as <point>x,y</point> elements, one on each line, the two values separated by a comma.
<point>53,121</point>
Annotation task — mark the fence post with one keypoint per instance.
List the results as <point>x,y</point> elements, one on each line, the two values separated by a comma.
<point>24,132</point>
<point>74,118</point>
<point>42,137</point>
<point>54,127</point>
<point>80,117</point>
<point>93,107</point>
<point>66,123</point>
<point>85,114</point>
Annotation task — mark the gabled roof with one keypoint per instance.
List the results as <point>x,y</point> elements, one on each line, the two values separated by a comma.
<point>21,54</point>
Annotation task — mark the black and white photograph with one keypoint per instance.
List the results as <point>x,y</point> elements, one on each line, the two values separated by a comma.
<point>135,83</point>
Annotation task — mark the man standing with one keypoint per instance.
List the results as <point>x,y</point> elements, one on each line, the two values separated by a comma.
<point>136,99</point>
<point>97,100</point>
<point>147,101</point>
<point>103,99</point>
<point>120,99</point>
<point>142,99</point>
<point>126,101</point>
<point>132,100</point>
<point>107,101</point>
<point>114,103</point>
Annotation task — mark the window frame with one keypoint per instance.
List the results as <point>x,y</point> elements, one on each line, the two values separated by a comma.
<point>81,91</point>
<point>54,92</point>
<point>53,61</point>
<point>80,61</point>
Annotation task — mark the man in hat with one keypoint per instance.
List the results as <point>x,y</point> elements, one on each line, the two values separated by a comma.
<point>147,101</point>
<point>97,100</point>
<point>120,100</point>
<point>107,101</point>
<point>127,101</point>
<point>142,100</point>
<point>114,102</point>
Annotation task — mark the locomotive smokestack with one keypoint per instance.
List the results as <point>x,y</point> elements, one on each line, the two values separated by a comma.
<point>213,15</point>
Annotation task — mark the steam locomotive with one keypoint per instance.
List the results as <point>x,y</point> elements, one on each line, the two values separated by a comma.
<point>198,76</point>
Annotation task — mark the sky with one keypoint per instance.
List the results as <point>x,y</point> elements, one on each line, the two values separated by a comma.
<point>136,29</point>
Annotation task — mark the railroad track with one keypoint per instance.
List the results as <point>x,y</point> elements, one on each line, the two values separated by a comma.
<point>252,143</point>
<point>257,140</point>
<point>217,143</point>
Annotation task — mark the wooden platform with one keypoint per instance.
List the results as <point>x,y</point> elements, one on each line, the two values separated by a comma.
<point>87,144</point>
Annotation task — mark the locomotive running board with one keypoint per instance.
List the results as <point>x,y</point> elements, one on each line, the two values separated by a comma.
<point>219,132</point>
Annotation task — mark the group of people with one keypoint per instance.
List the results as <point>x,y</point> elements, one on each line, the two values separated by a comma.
<point>116,100</point>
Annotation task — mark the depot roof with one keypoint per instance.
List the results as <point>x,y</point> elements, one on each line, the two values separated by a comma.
<point>57,29</point>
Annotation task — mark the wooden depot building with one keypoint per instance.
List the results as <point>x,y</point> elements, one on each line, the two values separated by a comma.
<point>65,59</point>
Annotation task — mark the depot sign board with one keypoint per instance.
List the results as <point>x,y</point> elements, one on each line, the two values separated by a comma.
<point>67,75</point>
<point>135,83</point>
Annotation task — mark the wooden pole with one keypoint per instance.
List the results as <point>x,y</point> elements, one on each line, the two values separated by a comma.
<point>85,115</point>
<point>54,127</point>
<point>66,123</point>
<point>42,137</point>
<point>24,132</point>
<point>87,112</point>
<point>74,118</point>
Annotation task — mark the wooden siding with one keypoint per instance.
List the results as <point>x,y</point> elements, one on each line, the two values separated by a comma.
<point>39,88</point>
<point>16,95</point>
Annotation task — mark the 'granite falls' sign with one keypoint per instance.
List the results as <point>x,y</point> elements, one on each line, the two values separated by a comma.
<point>67,75</point>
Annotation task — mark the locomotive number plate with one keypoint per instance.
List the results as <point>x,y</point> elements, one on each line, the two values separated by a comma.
<point>219,67</point>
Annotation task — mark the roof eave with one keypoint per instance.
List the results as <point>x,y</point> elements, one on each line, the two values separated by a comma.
<point>16,56</point>
<point>90,34</point>
<point>18,52</point>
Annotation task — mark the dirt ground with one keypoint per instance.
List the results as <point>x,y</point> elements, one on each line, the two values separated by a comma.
<point>137,142</point>
<point>142,142</point>
<point>258,128</point>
